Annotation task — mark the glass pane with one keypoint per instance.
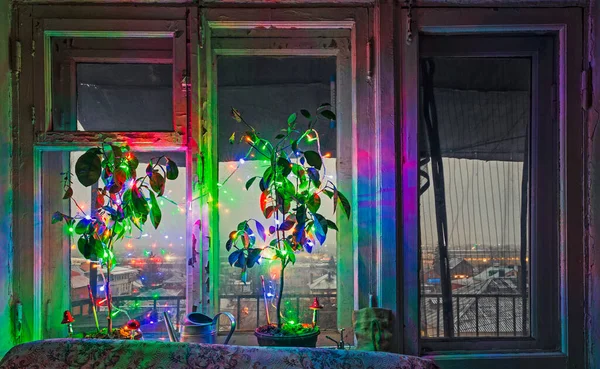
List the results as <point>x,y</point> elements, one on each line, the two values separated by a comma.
<point>266,90</point>
<point>474,196</point>
<point>150,275</point>
<point>115,97</point>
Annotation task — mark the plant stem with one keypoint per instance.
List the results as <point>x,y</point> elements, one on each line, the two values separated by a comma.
<point>109,298</point>
<point>281,283</point>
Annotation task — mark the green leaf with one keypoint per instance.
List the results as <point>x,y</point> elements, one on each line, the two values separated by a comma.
<point>253,257</point>
<point>149,169</point>
<point>120,176</point>
<point>234,256</point>
<point>172,170</point>
<point>314,176</point>
<point>305,113</point>
<point>260,230</point>
<point>332,225</point>
<point>57,217</point>
<point>323,105</point>
<point>279,136</point>
<point>132,161</point>
<point>68,193</point>
<point>284,165</point>
<point>313,159</point>
<point>241,261</point>
<point>232,138</point>
<point>157,182</point>
<point>250,182</point>
<point>242,226</point>
<point>236,115</point>
<point>289,251</point>
<point>140,204</point>
<point>291,119</point>
<point>313,203</point>
<point>83,226</point>
<point>127,196</point>
<point>287,225</point>
<point>88,168</point>
<point>89,246</point>
<point>115,188</point>
<point>320,233</point>
<point>117,152</point>
<point>83,246</point>
<point>345,203</point>
<point>329,193</point>
<point>155,213</point>
<point>328,114</point>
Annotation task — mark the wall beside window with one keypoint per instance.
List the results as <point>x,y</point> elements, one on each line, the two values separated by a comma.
<point>6,340</point>
<point>593,161</point>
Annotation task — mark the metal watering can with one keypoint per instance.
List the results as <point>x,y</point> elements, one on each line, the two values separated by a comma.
<point>199,328</point>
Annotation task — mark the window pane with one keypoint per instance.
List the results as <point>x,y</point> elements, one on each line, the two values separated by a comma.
<point>474,196</point>
<point>113,97</point>
<point>266,90</point>
<point>124,97</point>
<point>150,275</point>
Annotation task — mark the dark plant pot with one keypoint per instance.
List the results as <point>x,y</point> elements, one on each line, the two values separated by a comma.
<point>304,340</point>
<point>116,335</point>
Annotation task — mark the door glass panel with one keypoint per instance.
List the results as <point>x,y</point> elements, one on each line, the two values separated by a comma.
<point>266,90</point>
<point>474,229</point>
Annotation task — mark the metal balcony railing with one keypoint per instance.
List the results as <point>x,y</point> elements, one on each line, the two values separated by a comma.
<point>82,309</point>
<point>476,315</point>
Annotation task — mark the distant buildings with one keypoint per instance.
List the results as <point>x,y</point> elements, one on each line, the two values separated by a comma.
<point>488,303</point>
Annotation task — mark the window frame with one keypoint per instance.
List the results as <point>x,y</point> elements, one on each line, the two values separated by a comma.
<point>112,30</point>
<point>252,32</point>
<point>50,264</point>
<point>565,25</point>
<point>538,51</point>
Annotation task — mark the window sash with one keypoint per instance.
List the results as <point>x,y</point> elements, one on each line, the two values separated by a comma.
<point>453,22</point>
<point>295,44</point>
<point>63,22</point>
<point>114,30</point>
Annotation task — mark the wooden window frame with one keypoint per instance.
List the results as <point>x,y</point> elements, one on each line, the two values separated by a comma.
<point>111,29</point>
<point>262,32</point>
<point>565,25</point>
<point>42,270</point>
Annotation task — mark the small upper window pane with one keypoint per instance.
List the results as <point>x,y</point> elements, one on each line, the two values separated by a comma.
<point>124,97</point>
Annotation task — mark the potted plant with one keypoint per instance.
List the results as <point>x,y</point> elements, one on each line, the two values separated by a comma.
<point>123,202</point>
<point>290,192</point>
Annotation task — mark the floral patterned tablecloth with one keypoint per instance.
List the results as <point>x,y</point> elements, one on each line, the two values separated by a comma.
<point>99,354</point>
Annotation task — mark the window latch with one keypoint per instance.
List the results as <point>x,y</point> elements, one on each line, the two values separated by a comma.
<point>185,83</point>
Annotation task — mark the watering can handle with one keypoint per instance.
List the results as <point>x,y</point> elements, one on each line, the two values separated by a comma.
<point>232,318</point>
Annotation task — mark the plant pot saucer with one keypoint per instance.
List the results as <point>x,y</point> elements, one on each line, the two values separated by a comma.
<point>280,340</point>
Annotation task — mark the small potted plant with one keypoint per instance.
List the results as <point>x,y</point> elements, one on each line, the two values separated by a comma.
<point>290,190</point>
<point>125,201</point>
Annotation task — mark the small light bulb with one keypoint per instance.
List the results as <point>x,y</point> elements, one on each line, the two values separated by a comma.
<point>242,161</point>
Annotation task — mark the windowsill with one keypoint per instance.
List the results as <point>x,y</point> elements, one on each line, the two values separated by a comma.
<point>533,360</point>
<point>247,338</point>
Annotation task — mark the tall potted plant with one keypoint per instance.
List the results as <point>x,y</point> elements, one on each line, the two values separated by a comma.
<point>125,201</point>
<point>290,192</point>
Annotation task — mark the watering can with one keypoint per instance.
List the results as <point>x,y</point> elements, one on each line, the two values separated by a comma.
<point>199,328</point>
